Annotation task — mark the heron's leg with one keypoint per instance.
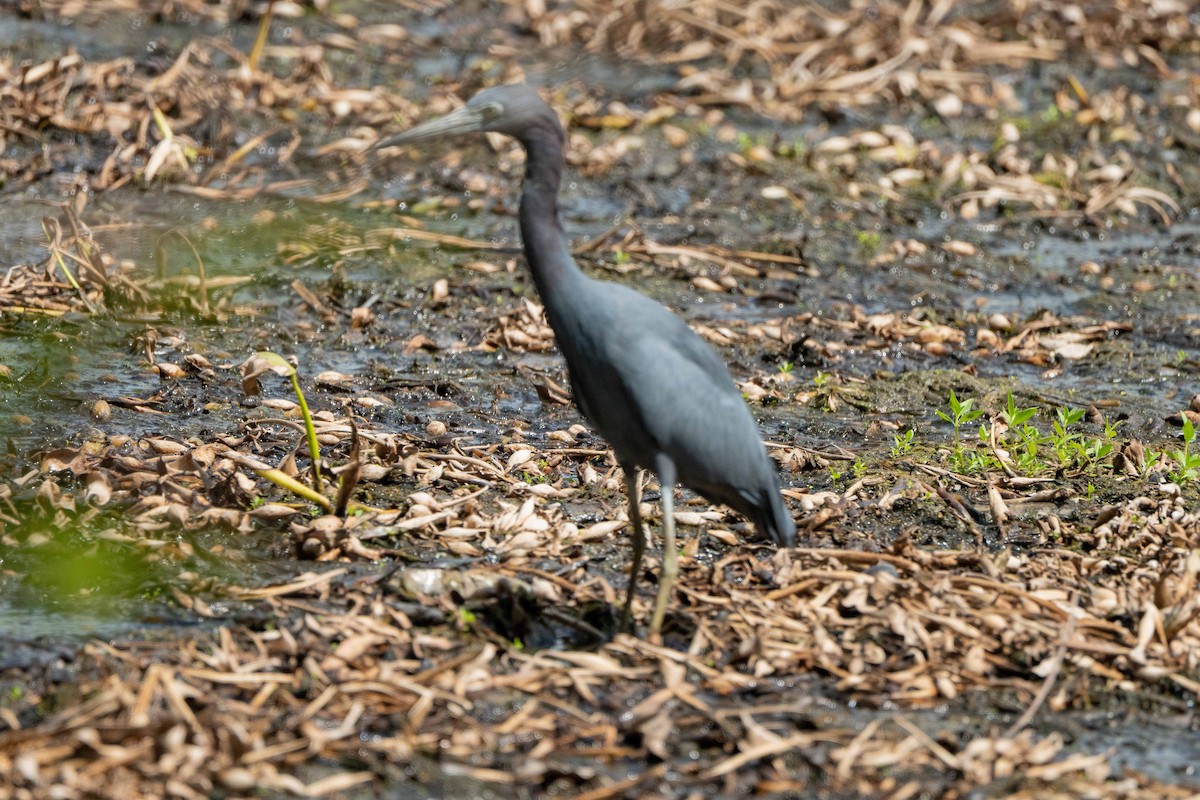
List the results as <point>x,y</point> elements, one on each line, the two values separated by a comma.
<point>670,558</point>
<point>633,487</point>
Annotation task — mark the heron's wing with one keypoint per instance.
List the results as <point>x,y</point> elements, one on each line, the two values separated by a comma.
<point>681,392</point>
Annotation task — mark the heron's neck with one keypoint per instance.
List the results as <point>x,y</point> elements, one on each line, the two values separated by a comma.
<point>546,247</point>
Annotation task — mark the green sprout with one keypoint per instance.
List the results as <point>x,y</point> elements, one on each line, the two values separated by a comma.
<point>1189,462</point>
<point>266,361</point>
<point>961,413</point>
<point>902,443</point>
<point>869,241</point>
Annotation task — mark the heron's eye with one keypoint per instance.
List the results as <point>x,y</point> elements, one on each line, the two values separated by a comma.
<point>491,111</point>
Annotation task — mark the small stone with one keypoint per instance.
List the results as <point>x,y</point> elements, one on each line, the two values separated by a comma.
<point>999,322</point>
<point>949,105</point>
<point>101,410</point>
<point>675,135</point>
<point>958,247</point>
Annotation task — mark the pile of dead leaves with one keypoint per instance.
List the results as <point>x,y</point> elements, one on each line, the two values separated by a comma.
<point>779,56</point>
<point>358,676</point>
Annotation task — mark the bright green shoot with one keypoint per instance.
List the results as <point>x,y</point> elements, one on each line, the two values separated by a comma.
<point>266,361</point>
<point>902,444</point>
<point>1063,439</point>
<point>1187,461</point>
<point>1014,416</point>
<point>962,412</point>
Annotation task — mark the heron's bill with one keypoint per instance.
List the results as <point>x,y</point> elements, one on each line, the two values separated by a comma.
<point>463,120</point>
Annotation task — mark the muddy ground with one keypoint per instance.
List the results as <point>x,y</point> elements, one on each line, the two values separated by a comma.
<point>867,209</point>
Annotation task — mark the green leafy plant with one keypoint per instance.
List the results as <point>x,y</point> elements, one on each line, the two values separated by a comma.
<point>1022,440</point>
<point>902,444</point>
<point>793,149</point>
<point>1187,461</point>
<point>869,241</point>
<point>1061,439</point>
<point>962,412</point>
<point>466,618</point>
<point>265,361</point>
<point>746,142</point>
<point>1015,416</point>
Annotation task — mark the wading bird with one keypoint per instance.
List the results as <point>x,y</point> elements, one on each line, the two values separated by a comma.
<point>651,387</point>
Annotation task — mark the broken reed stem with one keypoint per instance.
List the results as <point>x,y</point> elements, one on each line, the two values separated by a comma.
<point>260,40</point>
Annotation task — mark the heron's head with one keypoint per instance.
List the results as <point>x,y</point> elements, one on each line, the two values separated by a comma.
<point>513,110</point>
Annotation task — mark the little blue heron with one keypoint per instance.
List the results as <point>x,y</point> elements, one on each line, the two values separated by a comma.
<point>651,387</point>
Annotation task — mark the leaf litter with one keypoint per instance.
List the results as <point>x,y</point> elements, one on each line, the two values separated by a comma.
<point>461,634</point>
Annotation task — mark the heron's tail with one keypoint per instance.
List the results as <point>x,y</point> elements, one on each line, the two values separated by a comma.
<point>775,520</point>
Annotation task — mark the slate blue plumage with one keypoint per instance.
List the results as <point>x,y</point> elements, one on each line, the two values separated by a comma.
<point>658,394</point>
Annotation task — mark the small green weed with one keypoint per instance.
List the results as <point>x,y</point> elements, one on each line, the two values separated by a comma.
<point>962,412</point>
<point>1187,461</point>
<point>869,241</point>
<point>902,444</point>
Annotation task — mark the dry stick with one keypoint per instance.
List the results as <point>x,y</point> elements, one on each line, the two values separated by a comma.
<point>843,456</point>
<point>468,460</point>
<point>620,787</point>
<point>946,757</point>
<point>238,155</point>
<point>1068,630</point>
<point>932,470</point>
<point>260,40</point>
